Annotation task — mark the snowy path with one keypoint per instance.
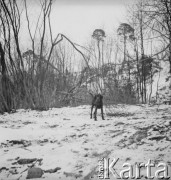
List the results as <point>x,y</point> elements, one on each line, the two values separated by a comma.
<point>67,138</point>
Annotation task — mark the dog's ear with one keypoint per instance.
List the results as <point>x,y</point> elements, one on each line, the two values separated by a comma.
<point>101,97</point>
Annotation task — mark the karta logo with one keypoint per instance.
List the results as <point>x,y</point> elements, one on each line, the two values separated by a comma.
<point>107,168</point>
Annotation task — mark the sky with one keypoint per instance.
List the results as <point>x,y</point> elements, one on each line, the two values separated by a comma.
<point>77,19</point>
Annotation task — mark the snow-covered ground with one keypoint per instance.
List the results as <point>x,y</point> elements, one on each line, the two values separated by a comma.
<point>68,140</point>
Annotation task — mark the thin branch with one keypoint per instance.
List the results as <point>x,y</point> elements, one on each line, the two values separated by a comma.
<point>76,49</point>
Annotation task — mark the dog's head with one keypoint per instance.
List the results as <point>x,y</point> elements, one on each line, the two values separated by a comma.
<point>98,98</point>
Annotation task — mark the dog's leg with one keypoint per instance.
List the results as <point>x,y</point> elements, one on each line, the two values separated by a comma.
<point>102,113</point>
<point>91,112</point>
<point>95,113</point>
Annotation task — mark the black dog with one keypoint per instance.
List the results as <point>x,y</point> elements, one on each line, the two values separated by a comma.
<point>97,102</point>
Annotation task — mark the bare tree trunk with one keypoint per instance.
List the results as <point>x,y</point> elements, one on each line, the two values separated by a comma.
<point>151,77</point>
<point>151,87</point>
<point>6,84</point>
<point>143,92</point>
<point>138,73</point>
